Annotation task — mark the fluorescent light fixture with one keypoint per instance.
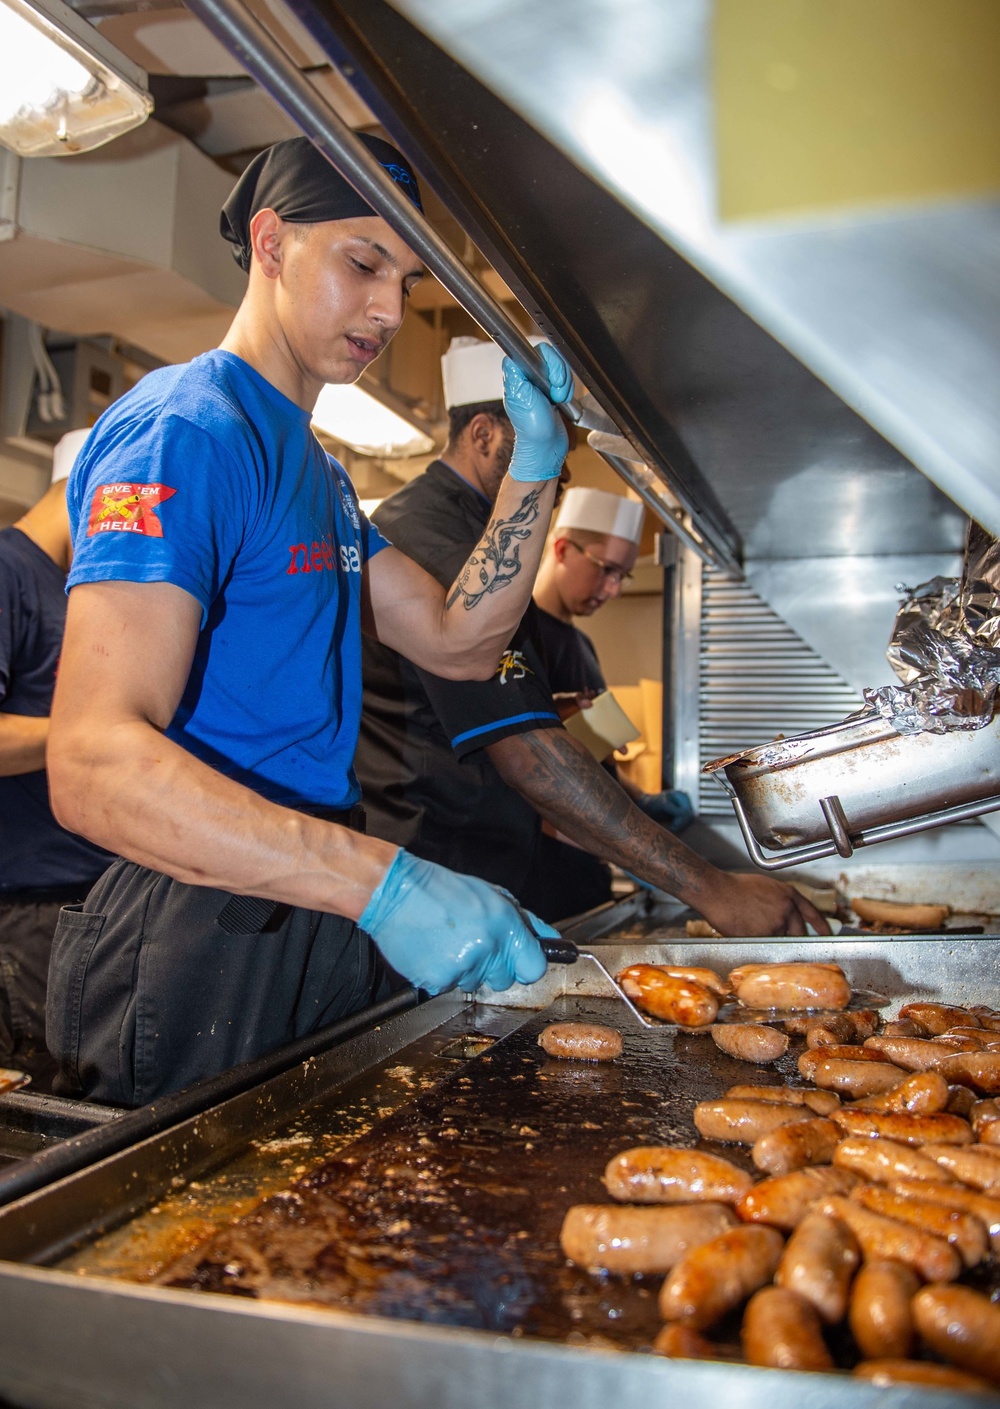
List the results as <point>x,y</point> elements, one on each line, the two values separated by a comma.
<point>351,416</point>
<point>63,87</point>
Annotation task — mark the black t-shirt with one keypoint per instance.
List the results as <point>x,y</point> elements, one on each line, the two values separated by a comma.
<point>428,784</point>
<point>35,852</point>
<point>570,658</point>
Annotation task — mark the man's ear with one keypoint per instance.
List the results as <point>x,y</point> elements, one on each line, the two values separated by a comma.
<point>481,429</point>
<point>559,546</point>
<point>267,233</point>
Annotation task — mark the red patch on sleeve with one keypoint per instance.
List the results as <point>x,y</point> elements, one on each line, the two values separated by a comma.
<point>127,508</point>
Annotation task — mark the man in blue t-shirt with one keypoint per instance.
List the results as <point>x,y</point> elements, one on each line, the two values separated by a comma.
<point>42,866</point>
<point>207,710</point>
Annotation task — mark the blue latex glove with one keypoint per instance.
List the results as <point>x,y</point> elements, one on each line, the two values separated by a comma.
<point>671,809</point>
<point>541,441</point>
<point>442,930</point>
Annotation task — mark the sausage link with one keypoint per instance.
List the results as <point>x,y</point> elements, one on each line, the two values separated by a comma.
<point>857,1078</point>
<point>654,1174</point>
<point>990,1134</point>
<point>902,1027</point>
<point>750,1042</point>
<point>982,1113</point>
<point>961,1326</point>
<point>682,1343</point>
<point>980,1070</point>
<point>961,1101</point>
<point>795,1146</point>
<point>910,1053</point>
<point>782,1330</point>
<point>880,1317</point>
<point>784,1202</point>
<point>882,1161</point>
<point>809,1061</point>
<point>793,986</point>
<point>584,1042</point>
<point>978,1036</point>
<point>950,1195</point>
<point>882,1238</point>
<point>819,1261</point>
<point>909,1129</point>
<point>923,1093</point>
<point>718,1276</point>
<point>937,1017</point>
<point>708,978</point>
<point>822,1102</point>
<point>612,1238</point>
<point>676,1000</point>
<point>979,1167</point>
<point>885,1373</point>
<point>744,1122</point>
<point>964,1231</point>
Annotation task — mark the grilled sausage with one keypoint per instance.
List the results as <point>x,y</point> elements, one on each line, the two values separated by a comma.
<point>937,1017</point>
<point>795,1146</point>
<point>924,1093</point>
<point>885,1373</point>
<point>979,1167</point>
<point>910,1053</point>
<point>654,1174</point>
<point>818,1262</point>
<point>717,1276</point>
<point>940,1129</point>
<point>750,1042</point>
<point>902,1027</point>
<point>982,1113</point>
<point>882,1161</point>
<point>682,1343</point>
<point>977,1035</point>
<point>879,1316</point>
<point>961,1101</point>
<point>708,978</point>
<point>964,1231</point>
<point>809,1061</point>
<point>782,1330</point>
<point>584,1042</point>
<point>795,986</point>
<point>744,1122</point>
<point>891,912</point>
<point>612,1238</point>
<point>784,1202</point>
<point>954,1195</point>
<point>980,1070</point>
<point>882,1238</point>
<point>676,1000</point>
<point>856,1078</point>
<point>822,1102</point>
<point>962,1326</point>
<point>834,1028</point>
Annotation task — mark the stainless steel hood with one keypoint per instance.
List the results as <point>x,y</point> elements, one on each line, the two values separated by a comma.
<point>765,444</point>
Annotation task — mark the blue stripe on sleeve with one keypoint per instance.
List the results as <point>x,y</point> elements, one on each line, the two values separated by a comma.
<point>499,724</point>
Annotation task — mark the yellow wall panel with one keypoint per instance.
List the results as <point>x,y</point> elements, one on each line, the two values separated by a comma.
<point>825,103</point>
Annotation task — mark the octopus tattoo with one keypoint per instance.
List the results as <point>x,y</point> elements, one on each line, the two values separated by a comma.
<point>495,561</point>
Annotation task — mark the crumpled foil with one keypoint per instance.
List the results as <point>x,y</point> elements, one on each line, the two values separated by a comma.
<point>945,648</point>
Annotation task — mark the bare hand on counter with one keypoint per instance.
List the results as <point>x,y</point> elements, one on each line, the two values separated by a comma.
<point>756,905</point>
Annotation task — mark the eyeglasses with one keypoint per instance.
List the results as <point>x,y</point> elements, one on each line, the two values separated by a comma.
<point>614,574</point>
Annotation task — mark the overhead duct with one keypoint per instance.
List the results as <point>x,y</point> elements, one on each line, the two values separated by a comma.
<point>122,241</point>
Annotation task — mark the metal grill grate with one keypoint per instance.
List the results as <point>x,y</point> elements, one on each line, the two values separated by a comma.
<point>757,679</point>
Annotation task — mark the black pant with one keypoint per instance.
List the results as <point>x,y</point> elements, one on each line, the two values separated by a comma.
<point>26,930</point>
<point>564,881</point>
<point>147,992</point>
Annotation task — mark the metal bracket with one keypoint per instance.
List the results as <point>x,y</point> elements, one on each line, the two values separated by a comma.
<point>840,834</point>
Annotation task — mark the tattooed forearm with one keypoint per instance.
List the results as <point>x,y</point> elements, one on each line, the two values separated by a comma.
<point>496,559</point>
<point>570,789</point>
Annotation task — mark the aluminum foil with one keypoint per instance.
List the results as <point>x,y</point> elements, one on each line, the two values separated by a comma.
<point>945,648</point>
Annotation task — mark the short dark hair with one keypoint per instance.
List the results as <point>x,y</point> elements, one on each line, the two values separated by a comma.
<point>459,417</point>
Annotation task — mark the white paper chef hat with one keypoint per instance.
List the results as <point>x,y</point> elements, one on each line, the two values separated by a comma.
<point>471,370</point>
<point>65,454</point>
<point>597,511</point>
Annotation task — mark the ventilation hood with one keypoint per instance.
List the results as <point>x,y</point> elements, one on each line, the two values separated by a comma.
<point>122,241</point>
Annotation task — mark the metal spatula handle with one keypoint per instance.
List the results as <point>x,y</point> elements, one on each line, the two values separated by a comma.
<point>564,951</point>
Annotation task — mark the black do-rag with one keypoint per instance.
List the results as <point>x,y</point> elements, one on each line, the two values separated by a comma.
<point>294,180</point>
